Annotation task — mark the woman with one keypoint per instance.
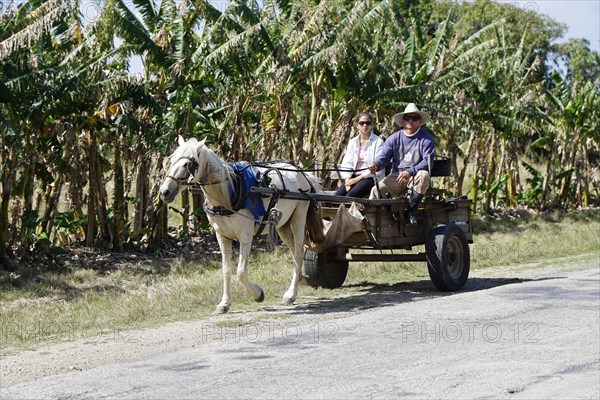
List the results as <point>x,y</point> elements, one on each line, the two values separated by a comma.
<point>360,153</point>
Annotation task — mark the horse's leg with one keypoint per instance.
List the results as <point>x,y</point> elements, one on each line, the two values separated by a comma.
<point>292,234</point>
<point>226,255</point>
<point>252,289</point>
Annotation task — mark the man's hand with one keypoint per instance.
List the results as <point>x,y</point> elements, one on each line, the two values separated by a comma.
<point>403,178</point>
<point>373,168</point>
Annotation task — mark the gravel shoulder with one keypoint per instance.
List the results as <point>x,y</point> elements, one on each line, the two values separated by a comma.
<point>269,324</point>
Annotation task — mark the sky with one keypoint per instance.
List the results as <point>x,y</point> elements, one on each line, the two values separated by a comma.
<point>581,16</point>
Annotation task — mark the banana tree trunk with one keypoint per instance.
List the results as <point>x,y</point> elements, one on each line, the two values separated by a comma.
<point>479,156</point>
<point>185,210</point>
<point>118,199</point>
<point>90,233</point>
<point>339,133</point>
<point>8,167</point>
<point>141,196</point>
<point>97,196</point>
<point>27,178</point>
<point>460,177</point>
<point>587,176</point>
<point>310,145</point>
<point>549,176</point>
<point>102,198</point>
<point>52,205</point>
<point>489,178</point>
<point>198,212</point>
<point>512,172</point>
<point>569,165</point>
<point>157,211</point>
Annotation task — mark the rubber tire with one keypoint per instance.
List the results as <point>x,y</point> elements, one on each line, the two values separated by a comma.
<point>321,272</point>
<point>448,257</point>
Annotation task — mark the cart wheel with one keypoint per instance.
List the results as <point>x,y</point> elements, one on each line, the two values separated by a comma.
<point>322,270</point>
<point>448,257</point>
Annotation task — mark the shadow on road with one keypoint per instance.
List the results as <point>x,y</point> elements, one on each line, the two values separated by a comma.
<point>374,295</point>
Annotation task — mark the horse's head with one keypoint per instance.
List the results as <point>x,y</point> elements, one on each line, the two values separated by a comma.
<point>183,170</point>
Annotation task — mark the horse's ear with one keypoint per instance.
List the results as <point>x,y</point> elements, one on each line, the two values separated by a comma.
<point>180,140</point>
<point>200,144</point>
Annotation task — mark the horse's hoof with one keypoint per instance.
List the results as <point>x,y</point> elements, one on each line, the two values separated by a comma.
<point>260,298</point>
<point>287,301</point>
<point>221,309</point>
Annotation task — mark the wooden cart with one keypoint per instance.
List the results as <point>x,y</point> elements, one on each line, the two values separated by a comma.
<point>444,226</point>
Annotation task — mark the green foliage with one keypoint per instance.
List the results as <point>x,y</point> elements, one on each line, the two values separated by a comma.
<point>277,80</point>
<point>530,196</point>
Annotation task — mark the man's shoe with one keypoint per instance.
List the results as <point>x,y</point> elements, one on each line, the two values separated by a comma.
<point>413,204</point>
<point>412,217</point>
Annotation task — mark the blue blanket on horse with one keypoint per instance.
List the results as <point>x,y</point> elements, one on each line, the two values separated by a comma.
<point>252,201</point>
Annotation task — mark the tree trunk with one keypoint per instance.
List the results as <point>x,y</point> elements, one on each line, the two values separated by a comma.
<point>479,156</point>
<point>489,178</point>
<point>310,144</point>
<point>340,133</point>
<point>156,214</point>
<point>569,165</point>
<point>52,205</point>
<point>512,172</point>
<point>27,178</point>
<point>197,210</point>
<point>90,233</point>
<point>458,185</point>
<point>8,165</point>
<point>185,211</point>
<point>102,199</point>
<point>548,177</point>
<point>118,199</point>
<point>587,176</point>
<point>141,196</point>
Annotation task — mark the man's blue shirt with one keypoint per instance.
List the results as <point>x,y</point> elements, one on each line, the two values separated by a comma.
<point>408,153</point>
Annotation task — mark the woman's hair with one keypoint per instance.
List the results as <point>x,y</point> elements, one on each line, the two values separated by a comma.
<point>363,114</point>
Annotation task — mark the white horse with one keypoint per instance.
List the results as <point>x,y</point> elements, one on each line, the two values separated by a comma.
<point>193,162</point>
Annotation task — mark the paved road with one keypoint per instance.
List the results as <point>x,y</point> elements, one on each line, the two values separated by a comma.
<point>537,338</point>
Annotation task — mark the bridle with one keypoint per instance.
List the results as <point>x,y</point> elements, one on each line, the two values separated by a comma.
<point>191,167</point>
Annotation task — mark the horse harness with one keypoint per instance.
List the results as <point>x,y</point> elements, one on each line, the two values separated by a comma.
<point>237,196</point>
<point>239,193</point>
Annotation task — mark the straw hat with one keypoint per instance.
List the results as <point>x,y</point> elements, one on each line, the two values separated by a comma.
<point>411,108</point>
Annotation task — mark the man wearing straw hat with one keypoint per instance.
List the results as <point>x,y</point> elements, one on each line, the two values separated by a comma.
<point>411,151</point>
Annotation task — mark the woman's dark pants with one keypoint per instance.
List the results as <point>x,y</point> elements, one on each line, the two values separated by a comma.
<point>361,189</point>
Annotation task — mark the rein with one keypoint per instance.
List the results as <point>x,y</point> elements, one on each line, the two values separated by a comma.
<point>194,166</point>
<point>335,169</point>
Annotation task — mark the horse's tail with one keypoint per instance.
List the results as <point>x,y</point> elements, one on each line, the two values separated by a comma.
<point>315,229</point>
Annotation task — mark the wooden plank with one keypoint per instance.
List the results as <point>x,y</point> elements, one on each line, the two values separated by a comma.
<point>385,257</point>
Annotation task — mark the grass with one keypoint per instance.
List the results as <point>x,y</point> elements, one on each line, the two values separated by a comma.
<point>82,302</point>
<point>525,238</point>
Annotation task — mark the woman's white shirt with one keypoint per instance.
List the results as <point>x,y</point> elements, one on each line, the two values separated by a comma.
<point>351,156</point>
